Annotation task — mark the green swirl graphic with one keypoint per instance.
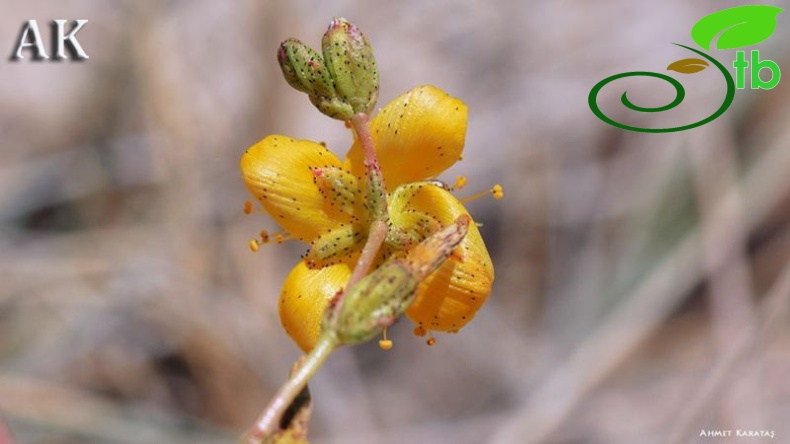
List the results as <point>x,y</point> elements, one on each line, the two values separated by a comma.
<point>680,94</point>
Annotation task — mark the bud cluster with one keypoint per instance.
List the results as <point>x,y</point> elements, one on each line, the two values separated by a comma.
<point>342,81</point>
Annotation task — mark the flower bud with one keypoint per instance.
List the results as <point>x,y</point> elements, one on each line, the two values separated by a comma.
<point>349,59</point>
<point>305,70</point>
<point>374,302</point>
<point>381,297</point>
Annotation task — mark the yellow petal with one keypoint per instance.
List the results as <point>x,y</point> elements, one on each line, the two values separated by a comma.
<point>451,296</point>
<point>279,172</point>
<point>417,136</point>
<point>304,297</point>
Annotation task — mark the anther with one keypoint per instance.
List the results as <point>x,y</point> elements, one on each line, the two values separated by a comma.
<point>419,331</point>
<point>247,207</point>
<point>254,245</point>
<point>431,341</point>
<point>385,344</point>
<point>496,191</point>
<point>460,183</point>
<point>266,238</point>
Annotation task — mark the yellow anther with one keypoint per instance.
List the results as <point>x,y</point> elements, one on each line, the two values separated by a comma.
<point>419,331</point>
<point>253,244</point>
<point>265,238</point>
<point>384,343</point>
<point>247,207</point>
<point>460,182</point>
<point>498,192</point>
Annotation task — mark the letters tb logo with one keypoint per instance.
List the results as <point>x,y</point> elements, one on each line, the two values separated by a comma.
<point>740,64</point>
<point>30,39</point>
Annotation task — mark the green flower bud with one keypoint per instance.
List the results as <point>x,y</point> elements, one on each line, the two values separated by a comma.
<point>376,301</point>
<point>380,298</point>
<point>305,71</point>
<point>334,107</point>
<point>349,59</point>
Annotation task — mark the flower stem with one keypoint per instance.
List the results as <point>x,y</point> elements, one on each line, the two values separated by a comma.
<point>5,434</point>
<point>361,124</point>
<point>376,236</point>
<point>376,196</point>
<point>376,191</point>
<point>268,423</point>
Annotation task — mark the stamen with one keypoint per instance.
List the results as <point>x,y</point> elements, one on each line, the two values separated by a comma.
<point>385,344</point>
<point>247,207</point>
<point>460,183</point>
<point>431,340</point>
<point>496,191</point>
<point>419,331</point>
<point>282,237</point>
<point>254,245</point>
<point>266,238</point>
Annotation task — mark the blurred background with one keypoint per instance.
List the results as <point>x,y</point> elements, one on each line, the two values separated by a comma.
<point>642,280</point>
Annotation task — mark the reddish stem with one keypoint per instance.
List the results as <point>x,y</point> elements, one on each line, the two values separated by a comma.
<point>361,124</point>
<point>268,423</point>
<point>377,200</point>
<point>5,433</point>
<point>376,236</point>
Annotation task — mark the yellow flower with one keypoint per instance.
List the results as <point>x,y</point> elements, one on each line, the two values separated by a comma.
<point>322,201</point>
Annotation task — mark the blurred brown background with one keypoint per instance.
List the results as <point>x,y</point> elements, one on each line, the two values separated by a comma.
<point>642,280</point>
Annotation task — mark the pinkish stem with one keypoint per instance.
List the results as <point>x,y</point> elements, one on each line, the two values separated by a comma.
<point>361,124</point>
<point>5,434</point>
<point>269,421</point>
<point>376,191</point>
<point>376,236</point>
<point>377,200</point>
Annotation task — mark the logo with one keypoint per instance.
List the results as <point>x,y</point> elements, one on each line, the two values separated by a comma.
<point>30,39</point>
<point>735,28</point>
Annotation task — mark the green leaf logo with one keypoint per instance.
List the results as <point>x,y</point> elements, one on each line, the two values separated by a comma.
<point>736,27</point>
<point>688,66</point>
